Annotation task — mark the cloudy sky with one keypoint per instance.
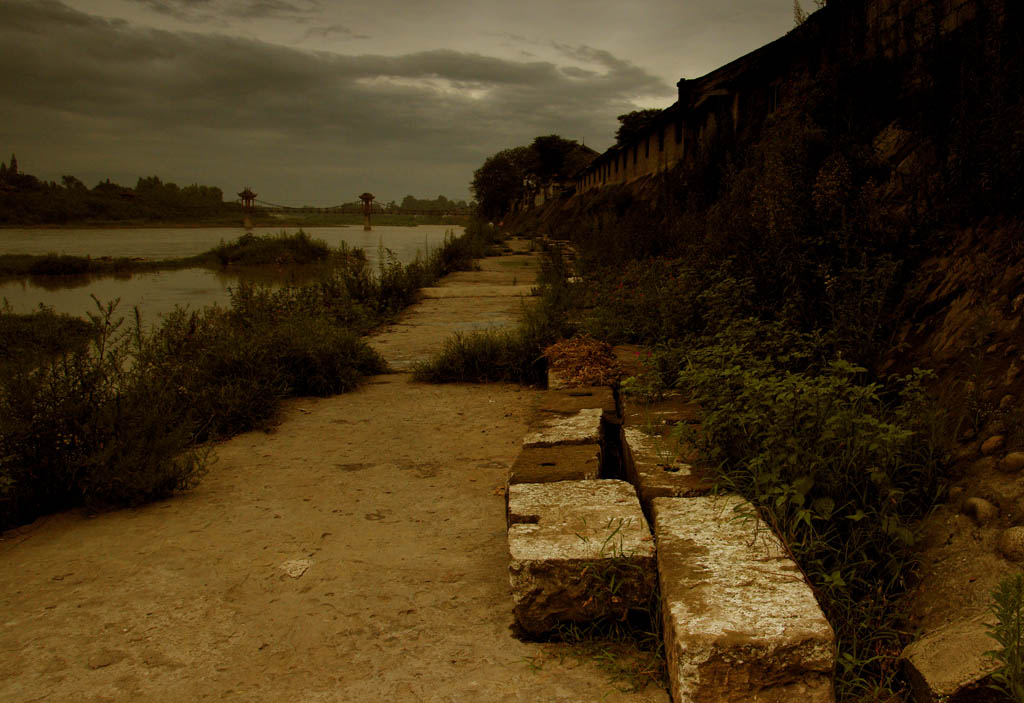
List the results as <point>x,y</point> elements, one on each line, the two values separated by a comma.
<point>315,101</point>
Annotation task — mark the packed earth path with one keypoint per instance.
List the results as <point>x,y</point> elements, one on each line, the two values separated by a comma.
<point>355,553</point>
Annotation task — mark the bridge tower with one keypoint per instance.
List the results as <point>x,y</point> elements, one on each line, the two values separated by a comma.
<point>248,198</point>
<point>367,199</point>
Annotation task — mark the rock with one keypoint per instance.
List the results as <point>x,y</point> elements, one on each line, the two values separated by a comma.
<point>980,509</point>
<point>1006,402</point>
<point>992,445</point>
<point>296,567</point>
<point>983,465</point>
<point>1011,543</point>
<point>579,551</point>
<point>1012,373</point>
<point>582,427</point>
<point>1011,463</point>
<point>949,663</point>
<point>741,624</point>
<point>105,658</point>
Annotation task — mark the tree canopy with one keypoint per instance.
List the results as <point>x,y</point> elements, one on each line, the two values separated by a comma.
<point>634,124</point>
<point>516,174</point>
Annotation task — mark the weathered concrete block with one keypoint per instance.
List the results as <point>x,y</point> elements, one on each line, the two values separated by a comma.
<point>741,625</point>
<point>571,400</point>
<point>579,551</point>
<point>581,427</point>
<point>564,462</point>
<point>949,664</point>
<point>653,467</point>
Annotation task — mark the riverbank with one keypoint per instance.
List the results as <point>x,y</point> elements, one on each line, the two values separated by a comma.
<point>123,418</point>
<point>355,552</point>
<point>313,219</point>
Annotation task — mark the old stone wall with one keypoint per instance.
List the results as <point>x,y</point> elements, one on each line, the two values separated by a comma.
<point>738,97</point>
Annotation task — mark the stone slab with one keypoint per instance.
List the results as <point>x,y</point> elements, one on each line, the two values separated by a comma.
<point>949,664</point>
<point>579,551</point>
<point>653,466</point>
<point>741,624</point>
<point>581,427</point>
<point>571,400</point>
<point>566,462</point>
<point>660,414</point>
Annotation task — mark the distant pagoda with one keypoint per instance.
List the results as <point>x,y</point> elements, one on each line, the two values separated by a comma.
<point>248,198</point>
<point>367,199</point>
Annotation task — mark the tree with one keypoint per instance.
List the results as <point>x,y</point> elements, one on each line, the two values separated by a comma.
<point>502,181</point>
<point>634,124</point>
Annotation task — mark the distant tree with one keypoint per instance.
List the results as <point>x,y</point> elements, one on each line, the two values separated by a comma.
<point>502,181</point>
<point>73,184</point>
<point>633,125</point>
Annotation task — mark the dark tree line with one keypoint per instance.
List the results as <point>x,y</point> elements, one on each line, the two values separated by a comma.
<point>25,199</point>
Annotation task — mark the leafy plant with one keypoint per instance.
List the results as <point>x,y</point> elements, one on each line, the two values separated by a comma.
<point>1008,632</point>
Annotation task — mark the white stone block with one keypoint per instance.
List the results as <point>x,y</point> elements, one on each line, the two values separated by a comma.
<point>741,624</point>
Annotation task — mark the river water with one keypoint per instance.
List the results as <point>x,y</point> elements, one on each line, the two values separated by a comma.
<point>156,293</point>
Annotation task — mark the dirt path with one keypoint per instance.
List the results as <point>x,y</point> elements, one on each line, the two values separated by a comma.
<point>357,553</point>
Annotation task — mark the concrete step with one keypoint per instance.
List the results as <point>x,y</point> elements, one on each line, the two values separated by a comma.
<point>578,551</point>
<point>741,624</point>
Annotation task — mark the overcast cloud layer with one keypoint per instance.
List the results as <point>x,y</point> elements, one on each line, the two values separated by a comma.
<point>310,101</point>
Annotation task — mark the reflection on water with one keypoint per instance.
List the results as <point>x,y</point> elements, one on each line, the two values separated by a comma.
<point>157,293</point>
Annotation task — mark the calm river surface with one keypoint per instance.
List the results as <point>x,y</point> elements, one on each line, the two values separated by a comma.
<point>160,292</point>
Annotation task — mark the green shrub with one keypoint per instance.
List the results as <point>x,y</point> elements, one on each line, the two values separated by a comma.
<point>91,429</point>
<point>283,248</point>
<point>842,468</point>
<point>59,265</point>
<point>27,340</point>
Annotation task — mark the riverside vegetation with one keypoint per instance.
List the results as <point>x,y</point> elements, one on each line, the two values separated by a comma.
<point>106,412</point>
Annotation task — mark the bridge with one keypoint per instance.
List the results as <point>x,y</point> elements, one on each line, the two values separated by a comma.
<point>357,209</point>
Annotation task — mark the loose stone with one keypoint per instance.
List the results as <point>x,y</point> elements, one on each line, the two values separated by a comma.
<point>1011,463</point>
<point>981,510</point>
<point>992,444</point>
<point>1011,543</point>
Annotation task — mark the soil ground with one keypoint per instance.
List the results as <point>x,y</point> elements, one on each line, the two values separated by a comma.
<point>356,553</point>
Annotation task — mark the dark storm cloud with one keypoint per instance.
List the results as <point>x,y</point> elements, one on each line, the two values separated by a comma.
<point>196,11</point>
<point>114,91</point>
<point>334,31</point>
